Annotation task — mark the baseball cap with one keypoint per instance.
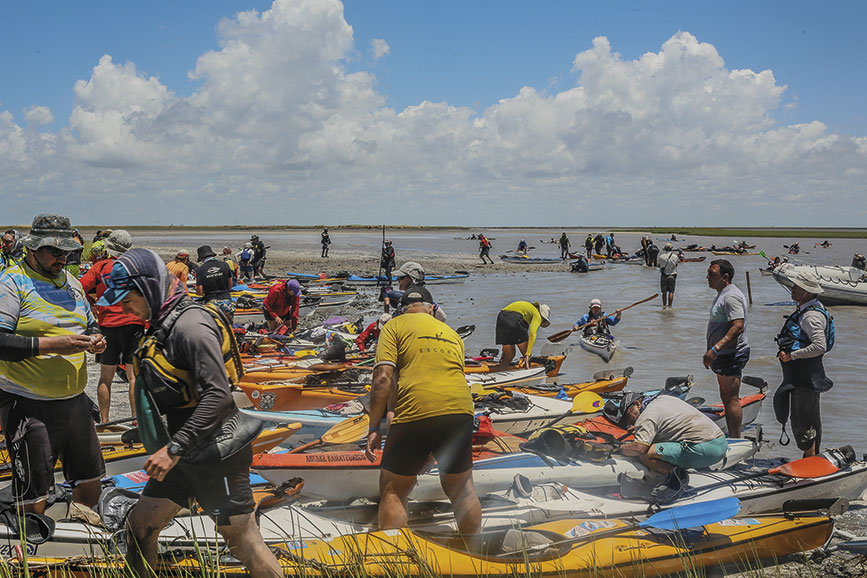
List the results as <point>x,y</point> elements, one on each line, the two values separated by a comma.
<point>417,294</point>
<point>412,270</point>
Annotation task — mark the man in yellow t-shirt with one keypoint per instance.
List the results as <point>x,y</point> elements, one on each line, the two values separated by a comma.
<point>419,371</point>
<point>517,325</point>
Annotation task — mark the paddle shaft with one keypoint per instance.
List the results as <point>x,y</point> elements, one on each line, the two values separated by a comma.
<point>566,333</point>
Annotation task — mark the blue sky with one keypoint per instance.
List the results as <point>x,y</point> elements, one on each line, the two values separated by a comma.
<point>314,97</point>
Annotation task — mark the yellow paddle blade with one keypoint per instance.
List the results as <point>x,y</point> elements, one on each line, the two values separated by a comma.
<point>347,431</point>
<point>587,402</point>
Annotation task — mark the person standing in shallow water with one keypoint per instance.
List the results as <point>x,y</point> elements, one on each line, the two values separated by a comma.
<point>727,349</point>
<point>807,335</point>
<point>325,239</point>
<point>386,260</point>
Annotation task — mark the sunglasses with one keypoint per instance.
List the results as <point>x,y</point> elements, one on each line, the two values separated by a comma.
<point>58,253</point>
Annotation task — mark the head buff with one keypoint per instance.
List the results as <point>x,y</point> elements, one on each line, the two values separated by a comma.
<point>161,289</point>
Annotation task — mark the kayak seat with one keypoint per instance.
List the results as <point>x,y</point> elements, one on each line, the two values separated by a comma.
<point>504,545</point>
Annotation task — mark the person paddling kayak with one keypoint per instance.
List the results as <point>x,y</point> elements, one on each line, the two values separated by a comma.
<point>599,323</point>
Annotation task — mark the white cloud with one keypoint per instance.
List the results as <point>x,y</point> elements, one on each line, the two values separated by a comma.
<point>278,119</point>
<point>38,115</point>
<point>380,48</point>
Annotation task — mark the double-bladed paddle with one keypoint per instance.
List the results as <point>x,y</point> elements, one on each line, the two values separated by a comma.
<point>561,335</point>
<point>349,430</point>
<point>679,518</point>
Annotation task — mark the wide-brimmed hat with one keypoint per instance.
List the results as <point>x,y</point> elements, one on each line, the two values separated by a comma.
<point>595,303</point>
<point>118,243</point>
<point>412,270</point>
<point>545,312</point>
<point>669,246</point>
<point>51,231</point>
<point>383,319</point>
<point>204,252</point>
<point>807,281</point>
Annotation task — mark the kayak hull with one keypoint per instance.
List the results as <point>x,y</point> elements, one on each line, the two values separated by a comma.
<point>602,345</point>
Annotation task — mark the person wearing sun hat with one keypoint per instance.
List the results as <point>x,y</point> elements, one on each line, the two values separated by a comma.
<point>46,326</point>
<point>668,262</point>
<point>187,342</point>
<point>517,325</point>
<point>807,335</point>
<point>122,332</point>
<point>599,323</point>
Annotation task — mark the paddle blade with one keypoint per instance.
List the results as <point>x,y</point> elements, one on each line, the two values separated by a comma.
<point>478,389</point>
<point>811,467</point>
<point>587,402</point>
<point>694,515</point>
<point>559,336</point>
<point>347,431</point>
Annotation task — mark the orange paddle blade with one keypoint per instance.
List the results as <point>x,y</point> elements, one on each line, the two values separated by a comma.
<point>811,467</point>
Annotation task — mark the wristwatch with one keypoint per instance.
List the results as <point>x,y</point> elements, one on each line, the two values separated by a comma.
<point>174,449</point>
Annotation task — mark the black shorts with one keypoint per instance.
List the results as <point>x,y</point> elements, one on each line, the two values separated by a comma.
<point>804,414</point>
<point>120,344</point>
<point>448,437</point>
<point>732,364</point>
<point>667,283</point>
<point>511,328</point>
<point>222,490</point>
<point>38,432</point>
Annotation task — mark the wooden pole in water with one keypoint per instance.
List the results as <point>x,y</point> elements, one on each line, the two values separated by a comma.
<point>749,288</point>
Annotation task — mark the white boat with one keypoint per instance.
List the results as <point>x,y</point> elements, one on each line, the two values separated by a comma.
<point>601,344</point>
<point>841,285</point>
<point>349,475</point>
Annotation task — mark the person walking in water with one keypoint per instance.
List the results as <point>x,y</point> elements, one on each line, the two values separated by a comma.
<point>727,349</point>
<point>325,239</point>
<point>386,261</point>
<point>485,249</point>
<point>564,245</point>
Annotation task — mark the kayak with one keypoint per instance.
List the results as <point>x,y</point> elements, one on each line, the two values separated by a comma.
<point>552,363</point>
<point>733,253</point>
<point>603,345</point>
<point>361,280</point>
<point>121,458</point>
<point>568,548</point>
<point>270,393</point>
<point>348,475</point>
<point>531,260</point>
<point>693,259</point>
<point>606,384</point>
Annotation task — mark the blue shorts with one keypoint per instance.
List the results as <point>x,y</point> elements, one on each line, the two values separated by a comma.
<point>732,364</point>
<point>690,455</point>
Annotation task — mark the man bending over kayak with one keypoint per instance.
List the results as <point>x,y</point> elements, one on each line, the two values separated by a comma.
<point>517,325</point>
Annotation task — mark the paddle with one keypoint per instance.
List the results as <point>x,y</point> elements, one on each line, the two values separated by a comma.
<point>679,518</point>
<point>585,402</point>
<point>810,467</point>
<point>561,335</point>
<point>347,431</point>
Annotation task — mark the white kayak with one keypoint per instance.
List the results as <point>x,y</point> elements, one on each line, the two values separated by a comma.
<point>345,476</point>
<point>603,345</point>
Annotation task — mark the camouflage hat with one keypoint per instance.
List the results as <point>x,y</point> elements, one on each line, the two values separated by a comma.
<point>118,243</point>
<point>51,231</point>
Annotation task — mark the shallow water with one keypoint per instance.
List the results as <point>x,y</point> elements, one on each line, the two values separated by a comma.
<point>656,343</point>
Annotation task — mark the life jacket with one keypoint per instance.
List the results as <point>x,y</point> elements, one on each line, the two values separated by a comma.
<point>792,337</point>
<point>245,256</point>
<point>568,441</point>
<point>169,385</point>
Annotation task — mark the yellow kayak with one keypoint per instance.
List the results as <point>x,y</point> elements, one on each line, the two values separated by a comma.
<point>561,549</point>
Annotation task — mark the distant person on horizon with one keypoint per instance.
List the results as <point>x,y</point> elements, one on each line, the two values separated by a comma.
<point>325,239</point>
<point>564,245</point>
<point>727,349</point>
<point>588,245</point>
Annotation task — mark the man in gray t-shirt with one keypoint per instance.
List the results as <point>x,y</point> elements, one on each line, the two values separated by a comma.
<point>669,432</point>
<point>727,348</point>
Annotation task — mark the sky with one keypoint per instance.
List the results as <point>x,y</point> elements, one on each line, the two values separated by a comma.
<point>484,113</point>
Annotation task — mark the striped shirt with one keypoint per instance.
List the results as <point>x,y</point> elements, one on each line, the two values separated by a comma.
<point>36,306</point>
